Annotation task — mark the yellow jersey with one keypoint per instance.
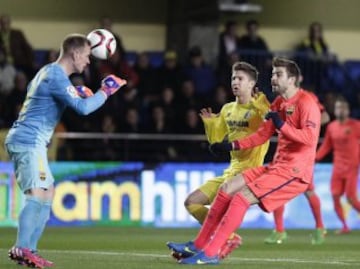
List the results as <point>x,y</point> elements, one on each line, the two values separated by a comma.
<point>236,121</point>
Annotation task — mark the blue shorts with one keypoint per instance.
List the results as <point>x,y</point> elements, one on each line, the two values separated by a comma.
<point>31,167</point>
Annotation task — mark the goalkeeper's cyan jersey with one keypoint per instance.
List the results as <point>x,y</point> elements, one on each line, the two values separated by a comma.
<point>48,94</point>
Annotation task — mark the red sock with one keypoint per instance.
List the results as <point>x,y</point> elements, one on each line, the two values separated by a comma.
<point>216,212</point>
<point>315,205</point>
<point>229,223</point>
<point>279,219</point>
<point>339,210</point>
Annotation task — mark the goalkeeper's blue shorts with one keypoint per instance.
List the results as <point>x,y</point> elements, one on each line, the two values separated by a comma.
<point>31,167</point>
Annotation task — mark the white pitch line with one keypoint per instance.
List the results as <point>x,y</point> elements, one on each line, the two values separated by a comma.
<point>275,260</point>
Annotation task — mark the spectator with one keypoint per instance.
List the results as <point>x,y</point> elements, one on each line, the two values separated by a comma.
<point>192,122</point>
<point>18,50</point>
<point>51,56</point>
<point>131,122</point>
<point>329,103</point>
<point>146,72</point>
<point>133,150</point>
<point>64,152</point>
<point>220,98</point>
<point>77,79</point>
<point>186,98</point>
<point>107,24</point>
<point>7,74</point>
<point>161,151</point>
<point>202,75</point>
<point>129,98</point>
<point>314,45</point>
<point>356,106</point>
<point>118,65</point>
<point>167,101</point>
<point>228,43</point>
<point>223,73</point>
<point>16,97</point>
<point>3,108</point>
<point>193,126</point>
<point>158,123</point>
<point>170,72</point>
<point>314,56</point>
<point>251,40</point>
<point>254,50</point>
<point>107,149</point>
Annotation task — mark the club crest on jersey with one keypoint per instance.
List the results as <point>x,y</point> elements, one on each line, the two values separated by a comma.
<point>290,110</point>
<point>247,115</point>
<point>72,91</point>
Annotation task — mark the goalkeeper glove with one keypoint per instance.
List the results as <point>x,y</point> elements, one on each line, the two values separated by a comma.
<point>111,84</point>
<point>275,117</point>
<point>84,91</point>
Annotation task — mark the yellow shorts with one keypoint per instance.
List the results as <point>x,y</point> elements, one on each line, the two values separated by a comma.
<point>211,187</point>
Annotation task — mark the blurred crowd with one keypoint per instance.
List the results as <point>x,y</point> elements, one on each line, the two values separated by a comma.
<point>164,98</point>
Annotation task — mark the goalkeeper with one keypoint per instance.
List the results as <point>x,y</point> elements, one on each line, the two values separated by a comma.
<point>236,120</point>
<point>48,94</point>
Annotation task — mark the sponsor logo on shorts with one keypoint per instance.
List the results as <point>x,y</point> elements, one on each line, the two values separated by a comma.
<point>42,176</point>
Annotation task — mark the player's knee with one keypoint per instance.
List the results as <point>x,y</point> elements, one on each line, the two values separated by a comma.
<point>188,201</point>
<point>229,189</point>
<point>225,187</point>
<point>192,199</point>
<point>49,194</point>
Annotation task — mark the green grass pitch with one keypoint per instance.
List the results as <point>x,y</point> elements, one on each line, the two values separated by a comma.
<point>139,248</point>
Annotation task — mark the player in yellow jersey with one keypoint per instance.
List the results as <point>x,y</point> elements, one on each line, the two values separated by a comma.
<point>236,120</point>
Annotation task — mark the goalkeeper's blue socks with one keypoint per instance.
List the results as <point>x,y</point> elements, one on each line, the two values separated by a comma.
<point>28,220</point>
<point>41,223</point>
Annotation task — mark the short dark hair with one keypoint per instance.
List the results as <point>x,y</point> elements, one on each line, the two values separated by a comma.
<point>195,52</point>
<point>74,41</point>
<point>291,67</point>
<point>247,68</point>
<point>341,99</point>
<point>230,24</point>
<point>252,22</point>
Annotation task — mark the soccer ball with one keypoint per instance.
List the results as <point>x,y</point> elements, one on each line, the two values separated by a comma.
<point>103,43</point>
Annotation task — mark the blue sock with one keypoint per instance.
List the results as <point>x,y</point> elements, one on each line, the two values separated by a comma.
<point>27,221</point>
<point>42,220</point>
